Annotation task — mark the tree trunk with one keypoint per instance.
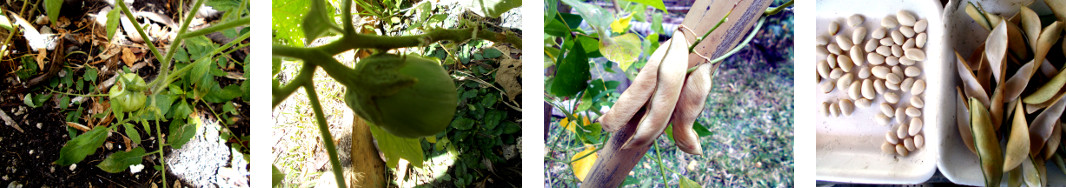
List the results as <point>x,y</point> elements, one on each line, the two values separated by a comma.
<point>368,168</point>
<point>614,163</point>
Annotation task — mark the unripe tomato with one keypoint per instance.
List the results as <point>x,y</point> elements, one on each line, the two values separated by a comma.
<point>129,95</point>
<point>385,95</point>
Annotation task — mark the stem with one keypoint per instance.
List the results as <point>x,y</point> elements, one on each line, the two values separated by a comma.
<point>323,128</point>
<point>140,31</point>
<point>165,69</point>
<point>162,163</point>
<point>660,161</point>
<point>347,18</point>
<point>739,47</point>
<point>216,28</point>
<point>724,18</point>
<point>775,10</point>
<point>357,40</point>
<point>283,92</point>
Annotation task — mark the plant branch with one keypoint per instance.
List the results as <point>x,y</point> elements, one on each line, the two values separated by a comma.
<point>216,28</point>
<point>739,47</point>
<point>323,128</point>
<point>283,92</point>
<point>357,40</point>
<point>775,10</point>
<point>660,161</point>
<point>140,31</point>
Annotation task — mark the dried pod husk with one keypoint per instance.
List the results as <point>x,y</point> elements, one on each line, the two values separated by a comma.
<point>1018,141</point>
<point>988,151</point>
<point>1014,177</point>
<point>689,106</point>
<point>996,49</point>
<point>667,90</point>
<point>962,117</point>
<point>1041,128</point>
<point>634,98</point>
<point>1053,143</point>
<point>1031,174</point>
<point>1048,37</point>
<point>1016,84</point>
<point>980,17</point>
<point>969,81</point>
<point>996,108</point>
<point>1029,22</point>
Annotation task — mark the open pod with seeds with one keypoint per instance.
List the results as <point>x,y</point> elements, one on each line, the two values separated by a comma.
<point>1010,73</point>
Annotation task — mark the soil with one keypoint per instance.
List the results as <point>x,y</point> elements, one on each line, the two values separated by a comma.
<point>27,156</point>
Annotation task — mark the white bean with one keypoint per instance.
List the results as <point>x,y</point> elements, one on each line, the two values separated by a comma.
<point>897,37</point>
<point>823,69</point>
<point>907,31</point>
<point>875,59</point>
<point>906,84</point>
<point>891,60</point>
<point>920,40</point>
<point>836,73</point>
<point>833,48</point>
<point>901,133</point>
<point>887,109</point>
<point>891,136</point>
<point>823,40</point>
<point>917,102</point>
<point>879,86</point>
<point>891,97</point>
<point>901,150</point>
<point>826,86</point>
<point>834,110</point>
<point>871,45</point>
<point>908,44</point>
<point>868,89</point>
<point>833,28</point>
<point>844,62</point>
<point>915,54</point>
<point>913,112</point>
<point>878,33</point>
<point>889,22</point>
<point>905,18</point>
<point>832,60</point>
<point>846,107</point>
<point>855,90</point>
<point>916,126</point>
<point>906,61</point>
<point>909,144</point>
<point>901,115</point>
<point>897,51</point>
<point>921,25</point>
<point>865,103</point>
<point>885,120</point>
<point>879,71</point>
<point>891,86</point>
<point>912,71</point>
<point>919,140</point>
<point>858,34</point>
<point>825,109</point>
<point>893,78</point>
<point>883,50</point>
<point>844,81</point>
<point>918,87</point>
<point>855,20</point>
<point>886,41</point>
<point>864,72</point>
<point>888,148</point>
<point>858,57</point>
<point>844,42</point>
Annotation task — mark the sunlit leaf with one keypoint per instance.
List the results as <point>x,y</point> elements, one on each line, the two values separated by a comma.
<point>396,148</point>
<point>119,161</point>
<point>620,25</point>
<point>493,8</point>
<point>688,183</point>
<point>112,23</point>
<point>596,16</point>
<point>181,132</point>
<point>572,74</point>
<point>581,167</point>
<point>658,4</point>
<point>624,50</point>
<point>318,21</point>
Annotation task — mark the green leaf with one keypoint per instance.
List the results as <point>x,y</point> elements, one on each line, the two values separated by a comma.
<point>395,148</point>
<point>493,118</point>
<point>181,132</point>
<point>318,21</point>
<point>624,49</point>
<point>85,144</point>
<point>28,100</point>
<point>658,4</point>
<point>223,5</point>
<point>112,23</point>
<point>657,22</point>
<point>276,176</point>
<point>572,73</point>
<point>52,7</point>
<point>119,161</point>
<point>688,183</point>
<point>596,16</point>
<point>199,74</point>
<point>701,130</point>
<point>562,24</point>
<point>90,75</point>
<point>462,123</point>
<point>493,8</point>
<point>131,132</point>
<point>220,95</point>
<point>64,102</point>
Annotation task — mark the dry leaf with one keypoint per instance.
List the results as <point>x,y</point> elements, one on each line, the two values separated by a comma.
<point>582,167</point>
<point>128,57</point>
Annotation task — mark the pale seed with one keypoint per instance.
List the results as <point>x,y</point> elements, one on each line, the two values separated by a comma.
<point>891,137</point>
<point>906,61</point>
<point>821,50</point>
<point>884,50</point>
<point>912,71</point>
<point>858,34</point>
<point>888,148</point>
<point>916,126</point>
<point>855,20</point>
<point>826,86</point>
<point>833,48</point>
<point>891,86</point>
<point>890,60</point>
<point>905,86</point>
<point>901,133</point>
<point>921,25</point>
<point>915,54</point>
<point>919,140</point>
<point>884,120</point>
<point>832,60</point>
<point>888,22</point>
<point>905,18</point>
<point>855,90</point>
<point>920,40</point>
<point>844,62</point>
<point>901,116</point>
<point>907,31</point>
<point>868,89</point>
<point>823,69</point>
<point>887,109</point>
<point>917,102</point>
<point>918,87</point>
<point>879,86</point>
<point>913,112</point>
<point>865,103</point>
<point>893,79</point>
<point>879,71</point>
<point>908,44</point>
<point>836,73</point>
<point>844,42</point>
<point>833,28</point>
<point>886,41</point>
<point>897,37</point>
<point>891,97</point>
<point>825,109</point>
<point>823,40</point>
<point>909,144</point>
<point>901,150</point>
<point>834,110</point>
<point>864,72</point>
<point>846,107</point>
<point>843,82</point>
<point>897,51</point>
<point>857,55</point>
<point>878,33</point>
<point>871,45</point>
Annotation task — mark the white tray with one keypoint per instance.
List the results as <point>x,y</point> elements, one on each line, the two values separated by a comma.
<point>958,164</point>
<point>849,147</point>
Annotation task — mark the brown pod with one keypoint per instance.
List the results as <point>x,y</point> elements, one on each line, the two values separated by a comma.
<point>668,88</point>
<point>689,106</point>
<point>638,93</point>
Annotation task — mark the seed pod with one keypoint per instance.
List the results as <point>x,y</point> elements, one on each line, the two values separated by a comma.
<point>921,25</point>
<point>855,19</point>
<point>878,33</point>
<point>988,150</point>
<point>915,126</point>
<point>667,91</point>
<point>905,18</point>
<point>887,109</point>
<point>640,91</point>
<point>858,34</point>
<point>918,87</point>
<point>962,119</point>
<point>889,22</point>
<point>689,106</point>
<point>891,97</point>
<point>846,107</point>
<point>1018,141</point>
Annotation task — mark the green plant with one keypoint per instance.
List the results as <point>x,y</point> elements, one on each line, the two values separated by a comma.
<point>404,97</point>
<point>187,77</point>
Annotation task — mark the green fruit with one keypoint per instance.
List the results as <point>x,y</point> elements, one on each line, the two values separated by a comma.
<point>128,93</point>
<point>409,96</point>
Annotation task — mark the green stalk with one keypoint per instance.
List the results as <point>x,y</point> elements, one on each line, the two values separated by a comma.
<point>283,92</point>
<point>162,162</point>
<point>216,28</point>
<point>323,129</point>
<point>775,10</point>
<point>660,161</point>
<point>739,47</point>
<point>140,31</point>
<point>724,18</point>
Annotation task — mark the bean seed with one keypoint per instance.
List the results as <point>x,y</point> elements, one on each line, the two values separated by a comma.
<point>901,116</point>
<point>912,71</point>
<point>893,79</point>
<point>901,133</point>
<point>901,150</point>
<point>905,86</point>
<point>907,31</point>
<point>891,97</point>
<point>890,60</point>
<point>906,61</point>
<point>884,50</point>
<point>898,71</point>
<point>846,107</point>
<point>915,54</point>
<point>855,90</point>
<point>918,87</point>
<point>858,34</point>
<point>884,120</point>
<point>905,18</point>
<point>826,86</point>
<point>864,72</point>
<point>879,71</point>
<point>879,86</point>
<point>878,33</point>
<point>833,28</point>
<point>875,59</point>
<point>858,57</point>
<point>920,25</point>
<point>913,112</point>
<point>917,102</point>
<point>916,126</point>
<point>833,48</point>
<point>888,148</point>
<point>836,73</point>
<point>825,109</point>
<point>832,60</point>
<point>844,81</point>
<point>887,109</point>
<point>855,20</point>
<point>822,50</point>
<point>844,42</point>
<point>834,110</point>
<point>865,103</point>
<point>868,89</point>
<point>844,62</point>
<point>888,22</point>
<point>823,40</point>
<point>909,144</point>
<point>908,44</point>
<point>885,41</point>
<point>920,40</point>
<point>891,86</point>
<point>897,37</point>
<point>823,69</point>
<point>919,140</point>
<point>891,137</point>
<point>871,45</point>
<point>897,51</point>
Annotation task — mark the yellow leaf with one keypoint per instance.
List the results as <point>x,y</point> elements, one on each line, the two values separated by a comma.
<point>582,167</point>
<point>620,25</point>
<point>569,125</point>
<point>688,183</point>
<point>622,49</point>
